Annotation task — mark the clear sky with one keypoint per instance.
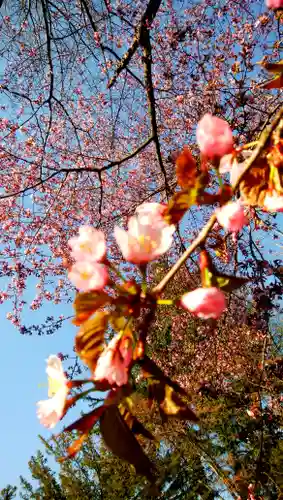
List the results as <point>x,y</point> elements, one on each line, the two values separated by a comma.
<point>23,382</point>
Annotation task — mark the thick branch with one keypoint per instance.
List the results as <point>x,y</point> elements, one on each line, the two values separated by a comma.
<point>146,20</point>
<point>147,58</point>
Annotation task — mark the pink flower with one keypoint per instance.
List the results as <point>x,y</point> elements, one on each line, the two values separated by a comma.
<point>204,302</point>
<point>214,136</point>
<point>148,236</point>
<point>229,163</point>
<point>151,213</point>
<point>51,410</point>
<point>113,363</point>
<point>273,202</point>
<point>274,4</point>
<point>232,216</point>
<point>89,245</point>
<point>88,276</point>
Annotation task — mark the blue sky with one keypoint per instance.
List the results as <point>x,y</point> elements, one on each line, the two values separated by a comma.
<point>23,382</point>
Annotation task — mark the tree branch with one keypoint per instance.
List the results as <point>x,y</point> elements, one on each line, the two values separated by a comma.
<point>147,59</point>
<point>146,20</point>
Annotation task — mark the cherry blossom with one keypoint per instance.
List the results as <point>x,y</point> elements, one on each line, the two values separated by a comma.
<point>229,164</point>
<point>151,213</point>
<point>51,410</point>
<point>89,245</point>
<point>88,276</point>
<point>273,202</point>
<point>145,240</point>
<point>232,216</point>
<point>114,361</point>
<point>204,303</point>
<point>214,136</point>
<point>274,4</point>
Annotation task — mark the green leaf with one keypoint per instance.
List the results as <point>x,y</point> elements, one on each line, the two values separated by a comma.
<point>122,442</point>
<point>230,283</point>
<point>87,303</point>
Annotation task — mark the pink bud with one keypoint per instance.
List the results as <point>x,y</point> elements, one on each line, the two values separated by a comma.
<point>214,136</point>
<point>274,4</point>
<point>232,216</point>
<point>180,99</point>
<point>204,302</point>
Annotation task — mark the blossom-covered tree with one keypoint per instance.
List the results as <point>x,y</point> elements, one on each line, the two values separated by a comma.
<point>96,100</point>
<point>151,117</point>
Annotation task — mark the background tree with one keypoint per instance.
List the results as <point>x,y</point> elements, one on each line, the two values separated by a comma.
<point>95,99</point>
<point>232,371</point>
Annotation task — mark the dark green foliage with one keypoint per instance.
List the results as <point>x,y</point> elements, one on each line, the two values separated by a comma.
<point>8,493</point>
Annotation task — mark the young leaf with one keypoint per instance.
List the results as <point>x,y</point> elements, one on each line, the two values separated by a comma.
<point>86,422</point>
<point>186,169</point>
<point>179,204</point>
<point>87,303</point>
<point>84,426</point>
<point>254,186</point>
<point>151,370</point>
<point>134,425</point>
<point>173,406</point>
<point>121,441</point>
<point>90,338</point>
<point>277,81</point>
<point>74,448</point>
<point>170,404</point>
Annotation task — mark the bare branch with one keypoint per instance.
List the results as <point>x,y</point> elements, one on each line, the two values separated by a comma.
<point>145,41</point>
<point>146,20</point>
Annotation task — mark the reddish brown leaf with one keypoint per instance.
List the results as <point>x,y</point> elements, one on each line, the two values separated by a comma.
<point>151,370</point>
<point>74,448</point>
<point>121,441</point>
<point>90,338</point>
<point>274,83</point>
<point>178,205</point>
<point>186,169</point>
<point>86,304</point>
<point>230,283</point>
<point>170,404</point>
<point>255,184</point>
<point>86,422</point>
<point>133,423</point>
